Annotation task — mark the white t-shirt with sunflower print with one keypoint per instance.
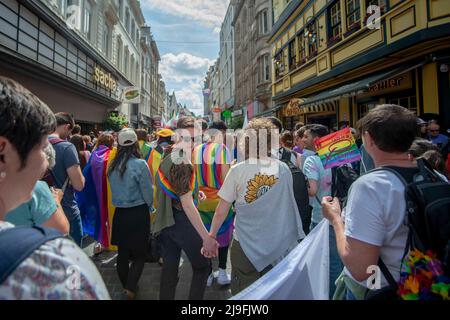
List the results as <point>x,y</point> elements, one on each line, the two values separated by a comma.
<point>249,180</point>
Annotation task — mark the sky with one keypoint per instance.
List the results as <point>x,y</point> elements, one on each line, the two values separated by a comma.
<point>187,35</point>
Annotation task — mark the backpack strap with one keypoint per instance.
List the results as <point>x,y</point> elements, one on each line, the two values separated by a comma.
<point>387,274</point>
<point>17,244</point>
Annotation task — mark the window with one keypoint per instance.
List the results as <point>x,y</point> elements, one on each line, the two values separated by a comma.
<point>263,23</point>
<point>335,22</point>
<point>292,55</point>
<point>120,9</point>
<point>119,53</point>
<point>62,6</point>
<point>133,30</point>
<point>301,40</point>
<point>125,61</point>
<point>87,19</point>
<point>137,35</point>
<point>312,40</point>
<point>106,40</point>
<point>279,65</point>
<point>127,20</point>
<point>381,3</point>
<point>353,14</point>
<point>266,67</point>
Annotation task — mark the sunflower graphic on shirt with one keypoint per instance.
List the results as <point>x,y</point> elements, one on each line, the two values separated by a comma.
<point>258,186</point>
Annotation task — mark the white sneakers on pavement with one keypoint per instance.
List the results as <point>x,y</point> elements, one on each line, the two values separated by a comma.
<point>224,278</point>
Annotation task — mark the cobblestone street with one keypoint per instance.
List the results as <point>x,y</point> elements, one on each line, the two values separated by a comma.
<point>149,282</point>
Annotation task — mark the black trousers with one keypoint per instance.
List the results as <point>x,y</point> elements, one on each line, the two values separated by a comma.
<point>182,236</point>
<point>223,257</point>
<point>129,275</point>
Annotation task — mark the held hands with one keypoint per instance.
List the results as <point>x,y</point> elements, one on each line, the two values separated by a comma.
<point>331,208</point>
<point>210,247</point>
<point>201,196</point>
<point>57,194</point>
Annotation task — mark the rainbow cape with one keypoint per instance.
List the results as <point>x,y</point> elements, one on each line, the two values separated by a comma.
<point>208,161</point>
<point>167,188</point>
<point>93,200</point>
<point>337,149</point>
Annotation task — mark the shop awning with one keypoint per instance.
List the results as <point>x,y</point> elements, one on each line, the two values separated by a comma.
<point>269,112</point>
<point>352,89</point>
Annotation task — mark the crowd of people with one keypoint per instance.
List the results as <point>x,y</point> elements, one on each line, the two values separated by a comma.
<point>188,190</point>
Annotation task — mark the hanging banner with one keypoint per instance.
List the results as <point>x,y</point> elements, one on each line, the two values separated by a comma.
<point>131,95</point>
<point>302,275</point>
<point>337,149</point>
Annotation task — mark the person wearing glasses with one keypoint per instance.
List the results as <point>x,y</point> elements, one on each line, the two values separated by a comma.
<point>434,136</point>
<point>67,172</point>
<point>178,223</point>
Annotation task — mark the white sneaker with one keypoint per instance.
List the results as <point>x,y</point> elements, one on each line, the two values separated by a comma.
<point>211,278</point>
<point>224,278</point>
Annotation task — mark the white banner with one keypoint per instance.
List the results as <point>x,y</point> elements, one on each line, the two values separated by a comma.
<point>131,95</point>
<point>301,275</point>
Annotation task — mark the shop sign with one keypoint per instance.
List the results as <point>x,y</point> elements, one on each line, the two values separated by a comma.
<point>292,109</point>
<point>104,79</point>
<point>386,84</point>
<point>131,95</point>
<point>237,113</point>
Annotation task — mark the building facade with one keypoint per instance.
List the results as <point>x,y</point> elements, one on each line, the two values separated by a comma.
<point>252,23</point>
<point>334,61</point>
<point>173,107</point>
<point>226,64</point>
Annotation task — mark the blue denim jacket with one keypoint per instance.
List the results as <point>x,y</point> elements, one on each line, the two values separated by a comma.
<point>135,188</point>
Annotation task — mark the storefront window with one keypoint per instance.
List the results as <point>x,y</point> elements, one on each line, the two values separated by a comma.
<point>292,56</point>
<point>409,102</point>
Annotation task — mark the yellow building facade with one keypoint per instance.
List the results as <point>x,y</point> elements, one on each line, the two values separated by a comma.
<point>333,61</point>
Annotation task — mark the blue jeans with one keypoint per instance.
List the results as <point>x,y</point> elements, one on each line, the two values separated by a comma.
<point>336,265</point>
<point>76,229</point>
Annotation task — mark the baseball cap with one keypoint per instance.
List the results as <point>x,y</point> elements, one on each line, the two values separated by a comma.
<point>420,122</point>
<point>127,137</point>
<point>165,133</point>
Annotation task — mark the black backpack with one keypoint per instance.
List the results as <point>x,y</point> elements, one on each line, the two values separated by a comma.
<point>427,217</point>
<point>300,183</point>
<point>342,179</point>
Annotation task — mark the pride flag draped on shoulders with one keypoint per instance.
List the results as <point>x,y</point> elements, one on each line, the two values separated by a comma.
<point>95,199</point>
<point>209,159</point>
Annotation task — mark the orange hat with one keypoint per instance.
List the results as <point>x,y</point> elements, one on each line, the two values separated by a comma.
<point>165,133</point>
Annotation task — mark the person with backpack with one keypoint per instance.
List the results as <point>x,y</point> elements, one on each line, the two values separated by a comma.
<point>267,222</point>
<point>374,228</point>
<point>320,185</point>
<point>37,263</point>
<point>67,174</point>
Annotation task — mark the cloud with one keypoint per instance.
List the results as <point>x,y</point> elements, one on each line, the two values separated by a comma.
<point>209,13</point>
<point>185,74</point>
<point>183,67</point>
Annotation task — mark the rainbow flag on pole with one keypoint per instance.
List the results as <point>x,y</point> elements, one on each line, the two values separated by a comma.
<point>337,149</point>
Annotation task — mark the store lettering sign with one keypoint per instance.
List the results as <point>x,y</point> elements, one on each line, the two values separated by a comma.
<point>386,84</point>
<point>104,79</point>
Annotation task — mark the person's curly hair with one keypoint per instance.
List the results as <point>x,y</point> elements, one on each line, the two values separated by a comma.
<point>252,134</point>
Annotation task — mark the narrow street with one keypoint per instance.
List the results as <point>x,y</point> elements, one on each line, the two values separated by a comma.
<point>149,281</point>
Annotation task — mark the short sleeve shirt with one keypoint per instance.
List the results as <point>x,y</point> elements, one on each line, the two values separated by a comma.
<point>36,211</point>
<point>314,170</point>
<point>66,157</point>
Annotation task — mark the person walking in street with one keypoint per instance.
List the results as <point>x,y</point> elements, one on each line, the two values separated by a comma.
<point>84,155</point>
<point>29,255</point>
<point>178,222</point>
<point>212,162</point>
<point>67,173</point>
<point>131,187</point>
<point>143,143</point>
<point>265,230</point>
<point>435,136</point>
<point>372,223</point>
<point>319,180</point>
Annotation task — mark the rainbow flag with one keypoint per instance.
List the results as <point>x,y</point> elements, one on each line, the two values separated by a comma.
<point>337,149</point>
